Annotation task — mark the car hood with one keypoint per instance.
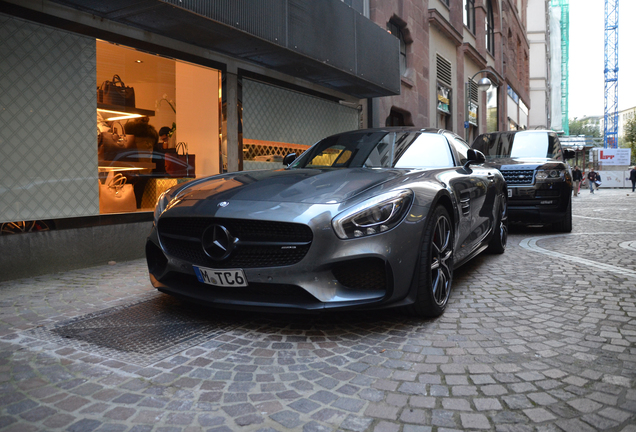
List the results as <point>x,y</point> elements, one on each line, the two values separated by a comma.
<point>523,163</point>
<point>310,186</point>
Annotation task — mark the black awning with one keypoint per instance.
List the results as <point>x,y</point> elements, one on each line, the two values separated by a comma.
<point>325,42</point>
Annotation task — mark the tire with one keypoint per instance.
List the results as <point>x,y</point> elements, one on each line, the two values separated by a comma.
<point>499,240</point>
<point>566,223</point>
<point>435,272</point>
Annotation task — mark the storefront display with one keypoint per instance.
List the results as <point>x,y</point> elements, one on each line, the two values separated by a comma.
<point>129,142</point>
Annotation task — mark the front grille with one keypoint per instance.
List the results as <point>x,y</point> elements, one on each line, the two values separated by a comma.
<point>363,274</point>
<point>260,243</point>
<point>518,177</point>
<point>547,193</point>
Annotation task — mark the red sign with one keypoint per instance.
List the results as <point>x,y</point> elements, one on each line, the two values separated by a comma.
<point>604,156</point>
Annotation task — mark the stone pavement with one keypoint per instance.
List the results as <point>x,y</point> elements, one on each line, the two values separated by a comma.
<point>541,338</point>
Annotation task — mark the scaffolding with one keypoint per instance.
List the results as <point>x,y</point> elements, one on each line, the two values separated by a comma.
<point>565,52</point>
<point>610,129</point>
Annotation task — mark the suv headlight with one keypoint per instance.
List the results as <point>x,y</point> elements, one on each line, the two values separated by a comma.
<point>550,175</point>
<point>373,216</point>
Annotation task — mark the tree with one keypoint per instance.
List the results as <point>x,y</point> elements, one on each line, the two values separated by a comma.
<point>630,137</point>
<point>581,127</point>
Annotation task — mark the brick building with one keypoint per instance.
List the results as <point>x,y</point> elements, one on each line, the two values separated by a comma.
<point>444,45</point>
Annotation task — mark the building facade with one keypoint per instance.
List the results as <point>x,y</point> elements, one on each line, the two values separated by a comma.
<point>106,104</point>
<point>446,47</point>
<point>96,98</point>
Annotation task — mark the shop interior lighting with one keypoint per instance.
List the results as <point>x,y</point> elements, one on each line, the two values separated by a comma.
<point>118,115</point>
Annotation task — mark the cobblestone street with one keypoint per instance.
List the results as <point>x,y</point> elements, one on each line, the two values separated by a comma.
<point>541,338</point>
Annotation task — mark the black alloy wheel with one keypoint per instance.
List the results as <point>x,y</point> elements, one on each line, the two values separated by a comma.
<point>498,242</point>
<point>436,266</point>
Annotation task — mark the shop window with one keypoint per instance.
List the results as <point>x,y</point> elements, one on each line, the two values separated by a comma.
<point>492,109</point>
<point>444,107</point>
<point>157,125</point>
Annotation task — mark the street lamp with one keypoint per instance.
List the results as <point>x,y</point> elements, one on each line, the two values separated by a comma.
<point>483,85</point>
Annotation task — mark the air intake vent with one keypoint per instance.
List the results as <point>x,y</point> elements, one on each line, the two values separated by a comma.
<point>444,71</point>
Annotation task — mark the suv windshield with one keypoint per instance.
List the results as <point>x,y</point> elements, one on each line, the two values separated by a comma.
<point>378,150</point>
<point>518,145</point>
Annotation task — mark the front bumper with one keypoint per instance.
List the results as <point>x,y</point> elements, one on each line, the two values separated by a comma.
<point>541,204</point>
<point>375,271</point>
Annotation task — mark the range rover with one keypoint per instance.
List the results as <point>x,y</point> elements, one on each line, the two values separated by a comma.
<point>539,179</point>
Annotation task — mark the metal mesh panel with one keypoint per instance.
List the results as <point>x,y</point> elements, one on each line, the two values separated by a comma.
<point>48,167</point>
<point>283,116</point>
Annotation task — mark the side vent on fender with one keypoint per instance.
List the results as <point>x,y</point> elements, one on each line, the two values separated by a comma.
<point>464,201</point>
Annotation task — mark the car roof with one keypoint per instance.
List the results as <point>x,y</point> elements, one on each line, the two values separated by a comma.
<point>523,132</point>
<point>394,129</point>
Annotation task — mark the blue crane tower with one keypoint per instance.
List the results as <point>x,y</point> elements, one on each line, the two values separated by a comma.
<point>610,132</point>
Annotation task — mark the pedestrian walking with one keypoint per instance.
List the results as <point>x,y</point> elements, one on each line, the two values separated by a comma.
<point>577,177</point>
<point>591,180</point>
<point>632,177</point>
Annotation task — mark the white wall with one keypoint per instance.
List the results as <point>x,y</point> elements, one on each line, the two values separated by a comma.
<point>198,115</point>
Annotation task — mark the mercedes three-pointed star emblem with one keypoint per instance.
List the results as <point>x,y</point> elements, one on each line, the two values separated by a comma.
<point>217,242</point>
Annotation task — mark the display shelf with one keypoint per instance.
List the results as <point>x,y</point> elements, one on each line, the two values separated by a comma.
<point>105,166</point>
<point>125,109</point>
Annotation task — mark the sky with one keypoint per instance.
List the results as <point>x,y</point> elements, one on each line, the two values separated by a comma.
<point>587,57</point>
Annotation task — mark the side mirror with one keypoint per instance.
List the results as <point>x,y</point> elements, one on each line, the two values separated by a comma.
<point>289,158</point>
<point>474,157</point>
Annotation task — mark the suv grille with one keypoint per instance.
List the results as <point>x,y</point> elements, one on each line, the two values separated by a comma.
<point>518,177</point>
<point>260,243</point>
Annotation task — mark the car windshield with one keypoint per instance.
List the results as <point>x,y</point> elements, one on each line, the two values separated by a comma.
<point>516,145</point>
<point>382,149</point>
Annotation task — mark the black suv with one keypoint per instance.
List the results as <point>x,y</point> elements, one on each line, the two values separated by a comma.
<point>538,177</point>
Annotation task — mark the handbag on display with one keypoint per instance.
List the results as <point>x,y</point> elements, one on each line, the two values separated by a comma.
<point>179,163</point>
<point>114,143</point>
<point>115,196</point>
<point>115,92</point>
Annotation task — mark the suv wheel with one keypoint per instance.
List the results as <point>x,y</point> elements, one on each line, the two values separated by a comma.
<point>566,223</point>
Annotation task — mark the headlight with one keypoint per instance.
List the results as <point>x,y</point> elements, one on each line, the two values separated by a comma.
<point>373,216</point>
<point>550,175</point>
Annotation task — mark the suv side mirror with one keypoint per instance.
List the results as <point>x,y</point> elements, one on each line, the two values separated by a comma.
<point>289,158</point>
<point>568,154</point>
<point>474,157</point>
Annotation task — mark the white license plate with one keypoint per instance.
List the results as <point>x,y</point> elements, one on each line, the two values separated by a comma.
<point>509,193</point>
<point>221,277</point>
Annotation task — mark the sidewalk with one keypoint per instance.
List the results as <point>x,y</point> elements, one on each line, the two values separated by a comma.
<point>542,337</point>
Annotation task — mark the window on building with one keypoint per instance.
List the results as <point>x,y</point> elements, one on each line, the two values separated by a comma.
<point>490,28</point>
<point>469,15</point>
<point>396,31</point>
<point>395,118</point>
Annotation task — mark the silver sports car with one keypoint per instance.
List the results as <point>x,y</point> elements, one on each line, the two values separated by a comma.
<point>372,218</point>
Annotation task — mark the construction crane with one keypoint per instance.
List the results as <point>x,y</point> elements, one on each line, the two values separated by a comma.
<point>565,55</point>
<point>610,135</point>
